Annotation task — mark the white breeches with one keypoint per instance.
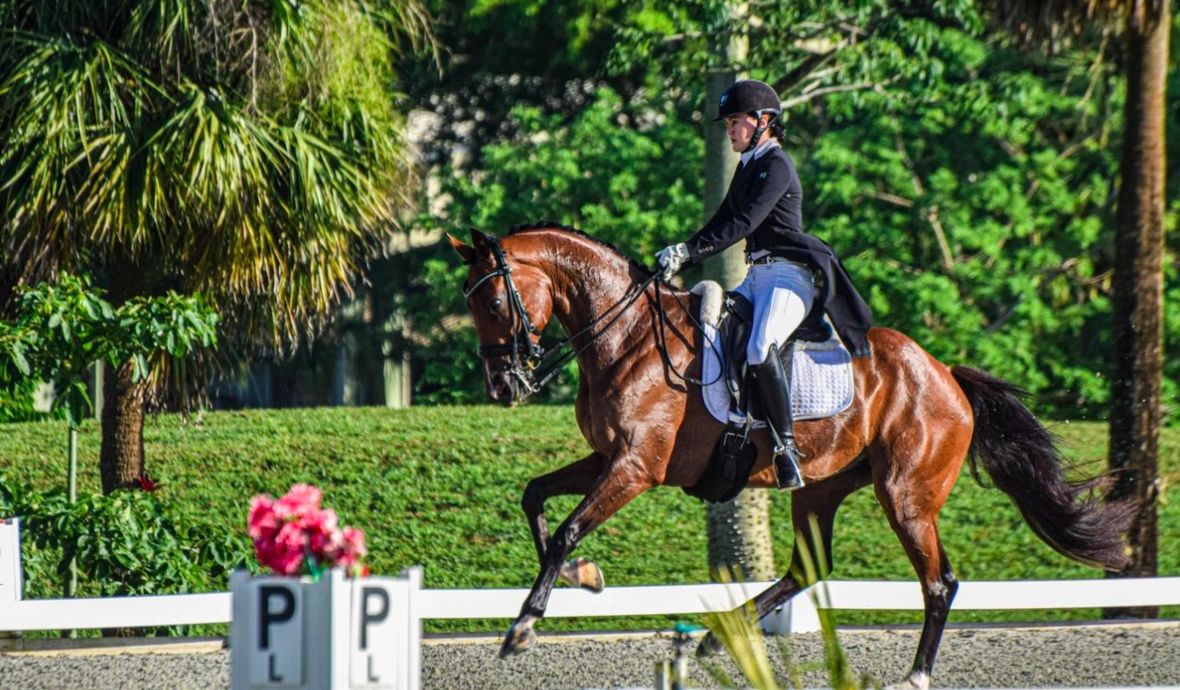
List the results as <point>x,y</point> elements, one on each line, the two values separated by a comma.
<point>782,293</point>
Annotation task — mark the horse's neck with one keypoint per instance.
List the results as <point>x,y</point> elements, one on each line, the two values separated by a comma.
<point>589,289</point>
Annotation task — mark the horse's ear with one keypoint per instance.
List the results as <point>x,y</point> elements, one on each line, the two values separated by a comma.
<point>479,240</point>
<point>465,252</point>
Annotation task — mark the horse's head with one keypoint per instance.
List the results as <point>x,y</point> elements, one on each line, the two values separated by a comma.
<point>510,301</point>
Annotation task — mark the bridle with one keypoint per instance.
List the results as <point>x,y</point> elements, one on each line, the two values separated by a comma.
<point>528,364</point>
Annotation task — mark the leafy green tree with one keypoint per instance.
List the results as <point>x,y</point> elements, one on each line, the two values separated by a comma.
<point>504,54</point>
<point>61,330</point>
<point>249,151</point>
<point>1137,300</point>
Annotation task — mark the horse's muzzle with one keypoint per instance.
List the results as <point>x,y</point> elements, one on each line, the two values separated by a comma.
<point>503,388</point>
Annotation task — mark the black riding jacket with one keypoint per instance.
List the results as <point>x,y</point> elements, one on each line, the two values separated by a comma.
<point>764,206</point>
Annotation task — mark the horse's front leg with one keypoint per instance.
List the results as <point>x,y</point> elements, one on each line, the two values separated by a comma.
<point>574,478</point>
<point>622,481</point>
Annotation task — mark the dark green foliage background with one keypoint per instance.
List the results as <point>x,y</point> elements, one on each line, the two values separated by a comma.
<point>440,487</point>
<point>1011,154</point>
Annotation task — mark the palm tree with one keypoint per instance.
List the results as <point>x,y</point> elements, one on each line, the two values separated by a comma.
<point>1139,241</point>
<point>246,149</point>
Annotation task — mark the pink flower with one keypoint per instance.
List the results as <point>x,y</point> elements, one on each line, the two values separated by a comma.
<point>291,531</point>
<point>301,499</point>
<point>285,553</point>
<point>323,534</point>
<point>353,547</point>
<point>262,521</point>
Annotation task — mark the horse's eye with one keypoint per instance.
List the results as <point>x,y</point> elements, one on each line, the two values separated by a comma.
<point>494,305</point>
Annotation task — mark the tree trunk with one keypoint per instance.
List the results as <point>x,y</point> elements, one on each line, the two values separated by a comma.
<point>121,461</point>
<point>739,530</point>
<point>740,537</point>
<point>1138,290</point>
<point>396,374</point>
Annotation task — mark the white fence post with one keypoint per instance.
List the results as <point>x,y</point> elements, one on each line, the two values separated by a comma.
<point>798,615</point>
<point>281,635</point>
<point>10,576</point>
<point>413,652</point>
<point>383,646</point>
<point>11,590</point>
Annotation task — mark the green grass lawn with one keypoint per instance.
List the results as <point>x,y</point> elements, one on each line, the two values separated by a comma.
<point>440,487</point>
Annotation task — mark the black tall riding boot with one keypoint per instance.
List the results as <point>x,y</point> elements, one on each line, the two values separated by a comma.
<point>774,390</point>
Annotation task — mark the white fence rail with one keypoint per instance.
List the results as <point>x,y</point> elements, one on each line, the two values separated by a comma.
<point>17,614</point>
<point>799,616</point>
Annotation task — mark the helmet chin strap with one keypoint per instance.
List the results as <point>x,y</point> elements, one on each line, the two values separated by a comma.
<point>759,130</point>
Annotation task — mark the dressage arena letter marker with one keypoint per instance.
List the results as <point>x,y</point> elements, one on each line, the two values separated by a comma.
<point>276,658</point>
<point>376,634</point>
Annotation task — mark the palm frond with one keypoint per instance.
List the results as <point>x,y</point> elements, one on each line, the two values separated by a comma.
<point>250,150</point>
<point>66,107</point>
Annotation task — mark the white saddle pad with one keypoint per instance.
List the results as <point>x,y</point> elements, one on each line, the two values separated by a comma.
<point>821,377</point>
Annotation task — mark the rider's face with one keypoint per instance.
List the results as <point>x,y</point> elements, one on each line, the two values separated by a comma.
<point>740,128</point>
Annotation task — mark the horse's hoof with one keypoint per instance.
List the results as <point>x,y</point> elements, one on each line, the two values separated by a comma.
<point>709,646</point>
<point>915,681</point>
<point>520,638</point>
<point>579,572</point>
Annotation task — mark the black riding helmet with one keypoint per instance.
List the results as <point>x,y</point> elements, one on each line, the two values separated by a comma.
<point>753,97</point>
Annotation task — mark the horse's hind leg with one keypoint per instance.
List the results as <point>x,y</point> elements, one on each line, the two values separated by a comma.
<point>912,509</point>
<point>820,500</point>
<point>575,478</point>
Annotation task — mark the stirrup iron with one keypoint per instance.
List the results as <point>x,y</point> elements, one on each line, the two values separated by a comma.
<point>786,455</point>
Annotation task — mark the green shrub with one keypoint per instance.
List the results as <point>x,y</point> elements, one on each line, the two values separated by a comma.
<point>126,543</point>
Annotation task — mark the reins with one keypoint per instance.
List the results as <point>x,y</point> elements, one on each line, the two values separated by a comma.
<point>662,341</point>
<point>560,362</point>
<point>529,363</point>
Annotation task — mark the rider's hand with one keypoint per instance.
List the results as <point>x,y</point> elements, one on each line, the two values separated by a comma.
<point>671,258</point>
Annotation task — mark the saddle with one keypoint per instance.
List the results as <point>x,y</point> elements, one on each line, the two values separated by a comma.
<point>734,455</point>
<point>737,320</point>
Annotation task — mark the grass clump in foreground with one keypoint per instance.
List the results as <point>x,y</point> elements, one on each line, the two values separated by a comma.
<point>740,634</point>
<point>440,487</point>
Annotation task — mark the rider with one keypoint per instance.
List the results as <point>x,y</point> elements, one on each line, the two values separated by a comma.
<point>789,270</point>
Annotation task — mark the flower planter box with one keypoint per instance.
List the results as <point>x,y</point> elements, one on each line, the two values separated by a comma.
<point>332,634</point>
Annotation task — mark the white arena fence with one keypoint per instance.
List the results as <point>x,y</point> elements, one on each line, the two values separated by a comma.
<point>799,615</point>
<point>328,635</point>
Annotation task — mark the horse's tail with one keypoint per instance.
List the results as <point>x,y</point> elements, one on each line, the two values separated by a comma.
<point>1020,456</point>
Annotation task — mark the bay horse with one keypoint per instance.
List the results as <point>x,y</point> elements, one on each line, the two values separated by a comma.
<point>912,423</point>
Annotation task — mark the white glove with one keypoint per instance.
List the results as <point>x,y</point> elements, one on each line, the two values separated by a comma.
<point>671,258</point>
